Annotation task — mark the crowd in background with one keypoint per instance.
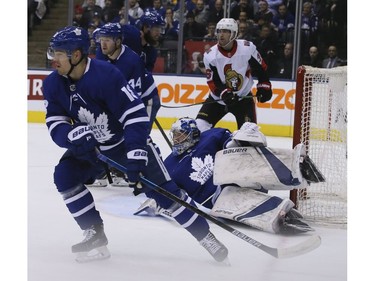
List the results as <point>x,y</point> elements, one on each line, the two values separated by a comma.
<point>268,24</point>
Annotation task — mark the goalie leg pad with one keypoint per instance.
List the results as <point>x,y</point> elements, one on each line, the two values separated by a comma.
<point>253,208</point>
<point>255,167</point>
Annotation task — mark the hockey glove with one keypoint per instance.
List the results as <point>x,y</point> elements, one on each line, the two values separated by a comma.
<point>82,142</point>
<point>228,97</point>
<point>136,164</point>
<point>264,92</point>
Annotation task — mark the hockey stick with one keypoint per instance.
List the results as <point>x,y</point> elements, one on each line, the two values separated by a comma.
<point>200,103</point>
<point>163,133</point>
<point>304,247</point>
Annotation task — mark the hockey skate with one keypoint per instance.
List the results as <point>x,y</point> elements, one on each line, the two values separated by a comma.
<point>93,247</point>
<point>216,249</point>
<point>119,181</point>
<point>152,209</point>
<point>102,182</point>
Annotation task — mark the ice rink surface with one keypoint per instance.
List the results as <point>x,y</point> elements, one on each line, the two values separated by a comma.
<point>155,249</point>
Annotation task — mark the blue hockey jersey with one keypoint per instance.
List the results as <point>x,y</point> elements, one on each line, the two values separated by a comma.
<point>193,170</point>
<point>133,68</point>
<point>103,99</point>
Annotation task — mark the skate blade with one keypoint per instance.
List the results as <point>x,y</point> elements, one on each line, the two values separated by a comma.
<point>100,253</point>
<point>225,262</point>
<point>120,184</point>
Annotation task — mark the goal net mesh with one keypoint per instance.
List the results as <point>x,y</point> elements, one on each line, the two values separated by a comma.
<point>320,122</point>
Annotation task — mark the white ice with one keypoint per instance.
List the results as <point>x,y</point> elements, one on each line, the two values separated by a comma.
<point>154,249</point>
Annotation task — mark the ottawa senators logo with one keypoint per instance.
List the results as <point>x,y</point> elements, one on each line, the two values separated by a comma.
<point>233,80</point>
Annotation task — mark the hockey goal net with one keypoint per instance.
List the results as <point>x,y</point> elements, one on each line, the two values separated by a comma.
<point>320,122</point>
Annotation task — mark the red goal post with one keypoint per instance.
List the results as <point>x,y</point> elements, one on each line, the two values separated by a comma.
<point>320,123</point>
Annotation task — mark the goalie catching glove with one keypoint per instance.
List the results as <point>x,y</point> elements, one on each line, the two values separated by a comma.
<point>228,97</point>
<point>82,142</point>
<point>136,164</point>
<point>264,92</point>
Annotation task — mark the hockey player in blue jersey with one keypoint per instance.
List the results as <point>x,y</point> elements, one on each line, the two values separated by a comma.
<point>191,166</point>
<point>151,25</point>
<point>110,38</point>
<point>89,107</point>
<point>131,65</point>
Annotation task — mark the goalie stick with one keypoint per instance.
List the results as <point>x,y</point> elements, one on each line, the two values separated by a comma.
<point>299,249</point>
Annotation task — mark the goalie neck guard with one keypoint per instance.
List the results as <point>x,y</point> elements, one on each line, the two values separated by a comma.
<point>184,134</point>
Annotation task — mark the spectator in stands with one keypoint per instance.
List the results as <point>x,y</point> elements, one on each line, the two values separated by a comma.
<point>158,7</point>
<point>100,3</point>
<point>77,18</point>
<point>252,28</point>
<point>243,6</point>
<point>309,29</point>
<point>211,32</point>
<point>291,6</point>
<point>189,7</point>
<point>193,30</point>
<point>134,10</point>
<point>244,32</point>
<point>273,5</point>
<point>243,17</point>
<point>266,44</point>
<point>172,26</point>
<point>117,4</point>
<point>285,63</point>
<point>31,8</point>
<point>198,65</point>
<point>88,13</point>
<point>314,58</point>
<point>122,19</point>
<point>96,21</point>
<point>109,12</point>
<point>217,13</point>
<point>201,12</point>
<point>333,60</point>
<point>283,21</point>
<point>91,29</point>
<point>264,14</point>
<point>335,23</point>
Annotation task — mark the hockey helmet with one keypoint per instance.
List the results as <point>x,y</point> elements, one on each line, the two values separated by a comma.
<point>69,39</point>
<point>95,35</point>
<point>228,24</point>
<point>150,18</point>
<point>113,30</point>
<point>184,134</point>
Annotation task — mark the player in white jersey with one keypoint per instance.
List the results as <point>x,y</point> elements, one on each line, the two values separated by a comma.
<point>230,66</point>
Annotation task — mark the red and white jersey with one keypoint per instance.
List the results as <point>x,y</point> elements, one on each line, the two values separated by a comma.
<point>233,69</point>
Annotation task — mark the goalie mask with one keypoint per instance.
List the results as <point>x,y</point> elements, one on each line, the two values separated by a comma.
<point>184,134</point>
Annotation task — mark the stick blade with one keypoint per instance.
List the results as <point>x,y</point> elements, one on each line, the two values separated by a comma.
<point>302,248</point>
